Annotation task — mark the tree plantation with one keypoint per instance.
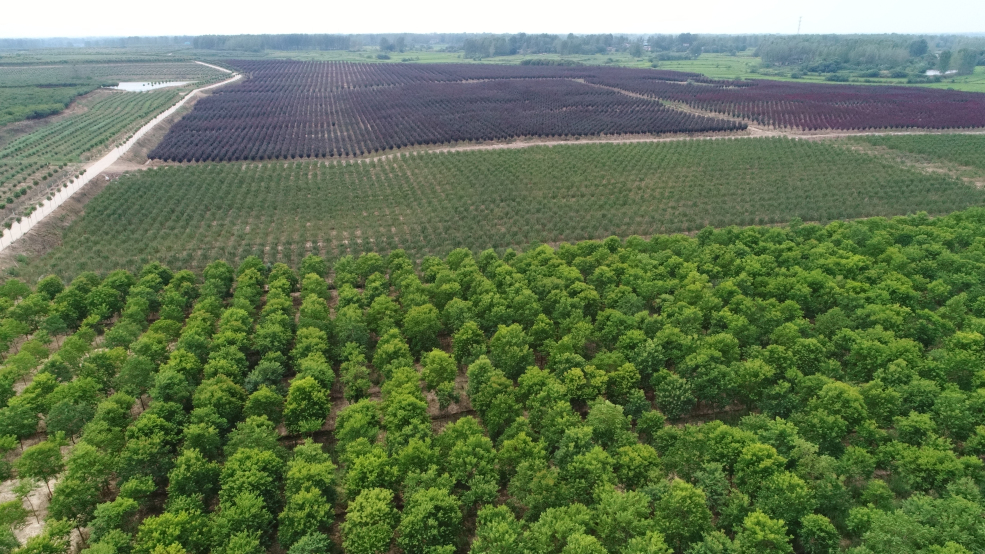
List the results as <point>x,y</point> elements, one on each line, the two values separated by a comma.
<point>459,293</point>
<point>289,109</point>
<point>432,203</point>
<point>965,150</point>
<point>757,389</point>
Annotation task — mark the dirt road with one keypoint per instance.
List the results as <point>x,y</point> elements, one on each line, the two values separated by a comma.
<point>93,169</point>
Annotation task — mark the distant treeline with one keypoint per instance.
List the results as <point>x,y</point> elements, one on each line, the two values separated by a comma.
<point>904,54</point>
<point>829,53</point>
<point>257,43</point>
<point>507,45</point>
<point>118,42</point>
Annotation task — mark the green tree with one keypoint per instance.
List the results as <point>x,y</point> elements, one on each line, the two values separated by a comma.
<point>439,368</point>
<point>372,469</point>
<point>249,470</point>
<point>497,531</point>
<point>762,535</point>
<point>19,420</point>
<point>305,512</point>
<point>244,513</point>
<point>510,350</point>
<point>265,402</point>
<point>193,475</point>
<point>310,467</point>
<point>682,515</point>
<point>313,264</point>
<point>636,465</point>
<point>422,325</point>
<point>116,515</point>
<point>967,59</point>
<point>255,432</point>
<point>75,500</point>
<point>68,418</point>
<point>312,543</point>
<point>245,542</point>
<point>350,326</point>
<point>619,517</point>
<point>817,535</point>
<point>468,343</point>
<point>431,519</point>
<point>42,461</point>
<point>944,61</point>
<point>672,394</point>
<point>307,406</point>
<point>370,521</point>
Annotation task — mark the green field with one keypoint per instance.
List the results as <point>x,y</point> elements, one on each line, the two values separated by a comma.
<point>965,150</point>
<point>53,154</point>
<point>743,65</point>
<point>20,103</point>
<point>435,202</point>
<point>743,392</point>
<point>35,91</point>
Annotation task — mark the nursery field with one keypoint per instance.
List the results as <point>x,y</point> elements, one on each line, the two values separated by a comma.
<point>317,110</point>
<point>36,91</point>
<point>965,150</point>
<point>431,203</point>
<point>35,164</point>
<point>292,109</point>
<point>763,390</point>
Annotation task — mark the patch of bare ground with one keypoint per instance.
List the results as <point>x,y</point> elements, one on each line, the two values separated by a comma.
<point>924,164</point>
<point>35,502</point>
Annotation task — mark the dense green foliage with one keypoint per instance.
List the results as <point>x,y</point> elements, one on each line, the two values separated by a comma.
<point>36,102</point>
<point>433,203</point>
<point>966,150</point>
<point>747,390</point>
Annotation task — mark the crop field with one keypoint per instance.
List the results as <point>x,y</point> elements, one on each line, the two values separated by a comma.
<point>305,110</point>
<point>431,203</point>
<point>37,91</point>
<point>309,109</point>
<point>20,103</point>
<point>966,150</point>
<point>51,155</point>
<point>754,390</point>
<point>99,74</point>
<point>812,106</point>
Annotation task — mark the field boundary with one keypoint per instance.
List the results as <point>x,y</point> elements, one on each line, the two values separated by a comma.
<point>94,169</point>
<point>574,141</point>
<point>222,69</point>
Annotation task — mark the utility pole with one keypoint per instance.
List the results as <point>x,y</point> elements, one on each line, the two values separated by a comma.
<point>799,19</point>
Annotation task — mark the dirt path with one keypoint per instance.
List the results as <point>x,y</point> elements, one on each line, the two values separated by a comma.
<point>750,133</point>
<point>924,164</point>
<point>222,69</point>
<point>93,169</point>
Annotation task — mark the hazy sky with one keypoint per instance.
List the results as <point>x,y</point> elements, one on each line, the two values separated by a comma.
<point>59,18</point>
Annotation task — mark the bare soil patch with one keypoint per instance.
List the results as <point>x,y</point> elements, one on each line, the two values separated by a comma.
<point>972,176</point>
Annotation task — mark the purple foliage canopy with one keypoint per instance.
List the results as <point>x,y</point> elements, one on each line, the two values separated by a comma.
<point>291,109</point>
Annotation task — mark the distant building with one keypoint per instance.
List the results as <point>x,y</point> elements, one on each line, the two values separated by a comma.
<point>937,73</point>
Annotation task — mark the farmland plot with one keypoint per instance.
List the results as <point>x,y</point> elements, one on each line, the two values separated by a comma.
<point>289,110</point>
<point>431,203</point>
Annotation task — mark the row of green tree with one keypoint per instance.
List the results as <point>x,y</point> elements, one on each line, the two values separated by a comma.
<point>763,389</point>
